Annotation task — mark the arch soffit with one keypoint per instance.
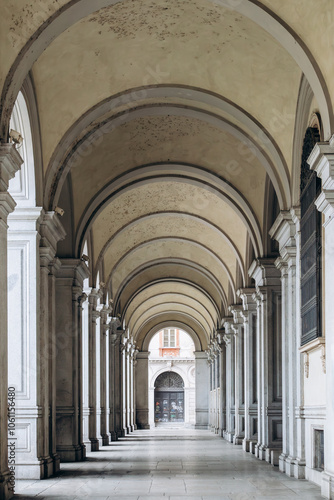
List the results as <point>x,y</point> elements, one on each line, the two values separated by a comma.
<point>161,296</point>
<point>172,308</point>
<point>68,152</point>
<point>176,324</point>
<point>237,203</point>
<point>76,10</point>
<point>173,262</point>
<point>171,298</point>
<point>157,284</point>
<point>192,242</point>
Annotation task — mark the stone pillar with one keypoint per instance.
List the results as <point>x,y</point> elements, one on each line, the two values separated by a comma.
<point>123,367</point>
<point>132,426</point>
<point>268,296</point>
<point>286,232</point>
<point>239,397</point>
<point>142,390</point>
<point>85,371</point>
<point>119,352</point>
<point>51,231</point>
<point>69,286</point>
<point>113,377</point>
<point>250,368</point>
<point>230,380</point>
<point>54,267</point>
<point>128,349</point>
<point>104,374</point>
<point>322,161</point>
<point>10,162</point>
<point>202,390</point>
<point>212,409</point>
<point>222,374</point>
<point>94,371</point>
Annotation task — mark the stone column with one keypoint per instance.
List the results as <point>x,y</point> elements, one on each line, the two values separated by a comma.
<point>69,359</point>
<point>114,376</point>
<point>10,162</point>
<point>119,352</point>
<point>239,397</point>
<point>268,296</point>
<point>230,379</point>
<point>210,359</point>
<point>54,267</point>
<point>85,372</point>
<point>104,374</point>
<point>250,368</point>
<point>51,231</point>
<point>128,350</point>
<point>286,232</point>
<point>322,161</point>
<point>132,351</point>
<point>32,242</point>
<point>222,393</point>
<point>123,367</point>
<point>142,390</point>
<point>202,390</point>
<point>94,371</point>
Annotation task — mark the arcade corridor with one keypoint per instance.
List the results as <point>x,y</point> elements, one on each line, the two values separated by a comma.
<point>169,464</point>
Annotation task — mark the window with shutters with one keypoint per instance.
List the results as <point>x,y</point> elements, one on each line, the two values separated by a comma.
<point>311,243</point>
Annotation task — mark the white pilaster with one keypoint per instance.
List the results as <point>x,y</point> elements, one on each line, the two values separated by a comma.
<point>268,297</point>
<point>202,390</point>
<point>10,162</point>
<point>230,380</point>
<point>286,232</point>
<point>322,161</point>
<point>69,286</point>
<point>142,390</point>
<point>239,398</point>
<point>250,367</point>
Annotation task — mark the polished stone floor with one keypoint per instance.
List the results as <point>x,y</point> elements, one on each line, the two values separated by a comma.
<point>169,464</point>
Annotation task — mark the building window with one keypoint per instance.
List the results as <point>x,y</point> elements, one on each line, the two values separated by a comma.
<point>319,455</point>
<point>169,338</point>
<point>311,243</point>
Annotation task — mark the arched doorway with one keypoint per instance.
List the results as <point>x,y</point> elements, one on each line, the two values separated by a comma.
<point>169,398</point>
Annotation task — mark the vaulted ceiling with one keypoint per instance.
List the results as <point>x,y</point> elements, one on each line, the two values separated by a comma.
<point>167,133</point>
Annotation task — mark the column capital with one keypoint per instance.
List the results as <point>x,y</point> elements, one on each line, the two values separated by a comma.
<point>74,269</point>
<point>51,231</point>
<point>284,230</point>
<point>142,354</point>
<point>7,205</point>
<point>236,310</point>
<point>10,163</point>
<point>246,295</point>
<point>264,272</point>
<point>321,160</point>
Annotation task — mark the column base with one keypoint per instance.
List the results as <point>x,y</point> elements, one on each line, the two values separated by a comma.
<point>228,436</point>
<point>201,426</point>
<point>56,463</point>
<point>237,439</point>
<point>260,451</point>
<point>120,433</point>
<point>94,444</point>
<point>294,468</point>
<point>252,446</point>
<point>34,470</point>
<point>144,426</point>
<point>300,469</point>
<point>281,462</point>
<point>272,456</point>
<point>88,446</point>
<point>48,467</point>
<point>327,485</point>
<point>113,436</point>
<point>5,487</point>
<point>105,439</point>
<point>72,453</point>
<point>246,443</point>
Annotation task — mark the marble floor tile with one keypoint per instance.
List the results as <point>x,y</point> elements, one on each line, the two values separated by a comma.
<point>169,465</point>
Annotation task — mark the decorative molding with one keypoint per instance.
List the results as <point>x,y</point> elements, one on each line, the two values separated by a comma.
<point>313,345</point>
<point>10,163</point>
<point>307,364</point>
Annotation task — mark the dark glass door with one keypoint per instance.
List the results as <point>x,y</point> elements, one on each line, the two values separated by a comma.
<point>169,406</point>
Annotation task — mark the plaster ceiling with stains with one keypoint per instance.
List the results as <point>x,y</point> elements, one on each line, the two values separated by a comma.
<point>165,129</point>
